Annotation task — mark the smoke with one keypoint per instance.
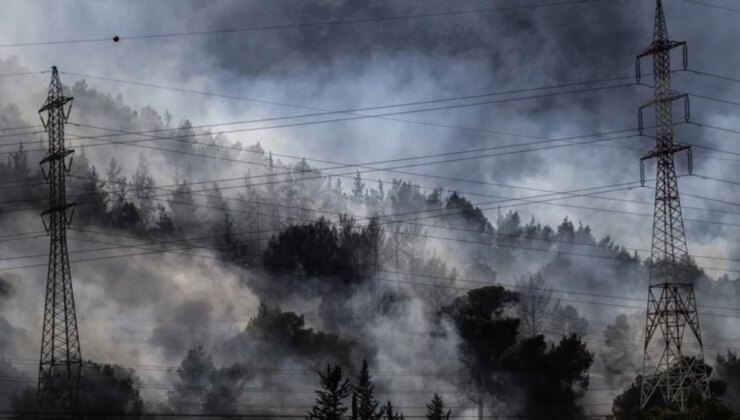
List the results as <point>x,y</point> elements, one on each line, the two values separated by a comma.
<point>149,310</point>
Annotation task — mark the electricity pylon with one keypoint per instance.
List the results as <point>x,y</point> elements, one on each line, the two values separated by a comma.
<point>673,361</point>
<point>60,365</point>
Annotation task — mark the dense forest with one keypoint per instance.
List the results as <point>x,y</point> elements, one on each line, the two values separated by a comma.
<point>367,297</point>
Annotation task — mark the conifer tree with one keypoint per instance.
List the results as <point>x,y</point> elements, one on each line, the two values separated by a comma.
<point>193,378</point>
<point>142,184</point>
<point>329,400</point>
<point>436,409</point>
<point>19,163</point>
<point>116,182</point>
<point>390,414</point>
<point>354,406</point>
<point>358,189</point>
<point>367,405</point>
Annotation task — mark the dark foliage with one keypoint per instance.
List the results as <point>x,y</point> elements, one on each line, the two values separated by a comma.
<point>627,404</point>
<point>201,388</point>
<point>389,413</point>
<point>728,370</point>
<point>553,378</point>
<point>330,398</point>
<point>367,405</point>
<point>224,390</point>
<point>193,378</point>
<point>468,216</point>
<point>500,365</point>
<point>436,409</point>
<point>485,332</point>
<point>275,334</point>
<point>320,249</point>
<point>109,391</point>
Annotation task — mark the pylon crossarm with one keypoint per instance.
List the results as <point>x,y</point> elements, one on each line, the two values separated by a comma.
<point>660,47</point>
<point>55,103</point>
<point>655,153</point>
<point>57,156</point>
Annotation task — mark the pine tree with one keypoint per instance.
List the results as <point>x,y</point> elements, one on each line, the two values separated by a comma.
<point>19,164</point>
<point>390,414</point>
<point>222,397</point>
<point>358,189</point>
<point>374,238</point>
<point>216,208</point>
<point>182,207</point>
<point>93,194</point>
<point>251,211</point>
<point>142,184</point>
<point>367,408</point>
<point>193,379</point>
<point>272,193</point>
<point>164,225</point>
<point>116,182</point>
<point>355,412</point>
<point>329,400</point>
<point>436,409</point>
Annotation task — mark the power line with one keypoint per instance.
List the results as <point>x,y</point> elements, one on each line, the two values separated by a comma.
<point>23,73</point>
<point>475,12</point>
<point>715,6</point>
<point>444,212</point>
<point>180,137</point>
<point>495,204</point>
<point>421,284</point>
<point>23,127</point>
<point>566,205</point>
<point>394,169</point>
<point>408,173</point>
<point>456,279</point>
<point>713,75</point>
<point>401,159</point>
<point>336,120</point>
<point>421,275</point>
<point>327,111</point>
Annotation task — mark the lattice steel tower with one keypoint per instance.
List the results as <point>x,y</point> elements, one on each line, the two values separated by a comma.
<point>673,361</point>
<point>60,367</point>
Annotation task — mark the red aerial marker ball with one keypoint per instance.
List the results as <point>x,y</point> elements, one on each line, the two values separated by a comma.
<point>116,38</point>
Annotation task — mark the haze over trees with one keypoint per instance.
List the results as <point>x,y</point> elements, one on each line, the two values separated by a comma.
<point>379,294</point>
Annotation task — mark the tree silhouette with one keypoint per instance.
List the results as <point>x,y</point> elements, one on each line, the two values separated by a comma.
<point>552,378</point>
<point>486,336</point>
<point>367,405</point>
<point>728,370</point>
<point>142,188</point>
<point>94,196</point>
<point>110,391</point>
<point>358,189</point>
<point>536,304</point>
<point>193,379</point>
<point>436,409</point>
<point>223,393</point>
<point>390,414</point>
<point>329,399</point>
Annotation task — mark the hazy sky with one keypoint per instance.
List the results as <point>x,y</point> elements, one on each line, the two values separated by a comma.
<point>380,63</point>
<point>361,65</point>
